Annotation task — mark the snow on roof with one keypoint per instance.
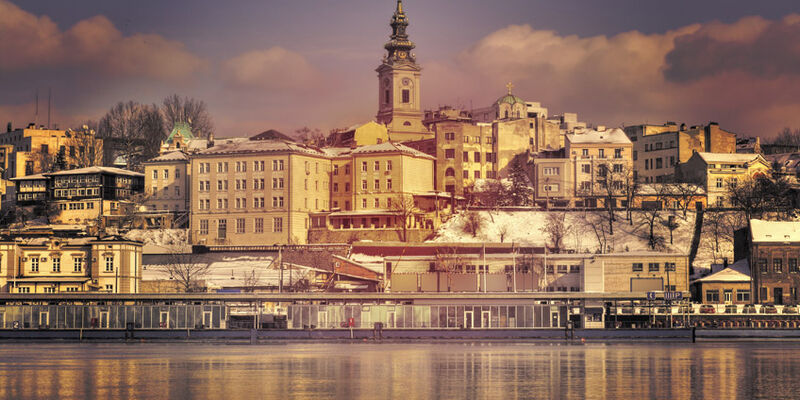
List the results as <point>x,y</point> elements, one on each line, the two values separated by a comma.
<point>728,157</point>
<point>96,170</point>
<point>736,272</point>
<point>774,231</point>
<point>615,135</point>
<point>387,147</point>
<point>671,188</point>
<point>176,155</point>
<point>259,146</point>
<point>30,177</point>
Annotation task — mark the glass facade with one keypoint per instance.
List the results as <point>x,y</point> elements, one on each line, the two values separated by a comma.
<point>113,317</point>
<point>426,316</point>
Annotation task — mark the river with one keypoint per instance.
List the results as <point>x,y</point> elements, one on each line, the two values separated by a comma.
<point>429,370</point>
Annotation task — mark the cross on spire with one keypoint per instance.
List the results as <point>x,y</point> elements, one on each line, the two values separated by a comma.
<point>509,86</point>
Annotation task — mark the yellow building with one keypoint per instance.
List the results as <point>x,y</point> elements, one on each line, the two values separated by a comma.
<point>257,192</point>
<point>58,265</point>
<point>590,161</point>
<point>35,150</point>
<point>374,188</point>
<point>358,135</point>
<point>717,171</point>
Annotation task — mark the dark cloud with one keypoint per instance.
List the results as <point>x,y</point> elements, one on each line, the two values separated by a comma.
<point>766,49</point>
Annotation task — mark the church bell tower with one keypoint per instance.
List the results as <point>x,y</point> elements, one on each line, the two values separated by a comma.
<point>398,84</point>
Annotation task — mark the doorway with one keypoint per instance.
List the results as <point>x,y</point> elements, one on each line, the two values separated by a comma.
<point>206,319</point>
<point>468,320</point>
<point>728,296</point>
<point>486,319</point>
<point>104,319</point>
<point>390,319</point>
<point>778,294</point>
<point>554,315</point>
<point>44,319</point>
<point>163,319</point>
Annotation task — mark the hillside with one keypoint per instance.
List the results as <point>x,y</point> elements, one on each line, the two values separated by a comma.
<point>528,228</point>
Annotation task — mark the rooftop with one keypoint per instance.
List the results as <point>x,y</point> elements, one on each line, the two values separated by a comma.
<point>590,136</point>
<point>774,231</point>
<point>176,155</point>
<point>95,170</point>
<point>729,157</point>
<point>259,146</point>
<point>736,272</point>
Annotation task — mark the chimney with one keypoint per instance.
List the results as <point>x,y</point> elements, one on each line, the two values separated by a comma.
<point>210,142</point>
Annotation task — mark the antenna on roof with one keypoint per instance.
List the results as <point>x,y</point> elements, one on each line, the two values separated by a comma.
<point>49,104</point>
<point>36,109</point>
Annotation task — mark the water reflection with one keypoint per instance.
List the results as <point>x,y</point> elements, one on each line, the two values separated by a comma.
<point>400,370</point>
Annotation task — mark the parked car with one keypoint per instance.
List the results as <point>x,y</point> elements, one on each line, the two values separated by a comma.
<point>769,309</point>
<point>790,310</point>
<point>749,309</point>
<point>730,309</point>
<point>707,309</point>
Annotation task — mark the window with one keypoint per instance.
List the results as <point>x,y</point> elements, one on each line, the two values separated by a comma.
<point>177,191</point>
<point>363,203</point>
<point>762,265</point>
<point>335,187</point>
<point>585,153</point>
<point>56,264</point>
<point>277,224</point>
<point>793,265</point>
<point>204,227</point>
<point>601,153</point>
<point>347,187</point>
<point>34,264</point>
<point>477,156</point>
<point>652,267</point>
<point>617,153</point>
<point>239,225</point>
<point>347,169</point>
<point>449,136</point>
<point>562,269</point>
<point>336,170</point>
<point>550,170</point>
<point>669,266</point>
<point>637,267</point>
<point>477,174</point>
<point>77,264</point>
<point>388,184</point>
<point>586,186</point>
<point>377,184</point>
<point>222,167</point>
<point>277,202</point>
<point>574,269</point>
<point>389,165</point>
<point>618,167</point>
<point>406,96</point>
<point>258,225</point>
<point>712,296</point>
<point>222,229</point>
<point>586,169</point>
<point>110,288</point>
<point>466,139</point>
<point>449,154</point>
<point>109,264</point>
<point>363,166</point>
<point>166,174</point>
<point>777,265</point>
<point>743,296</point>
<point>719,183</point>
<point>155,174</point>
<point>659,163</point>
<point>465,157</point>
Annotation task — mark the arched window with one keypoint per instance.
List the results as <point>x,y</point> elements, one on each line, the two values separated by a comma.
<point>450,172</point>
<point>506,113</point>
<point>406,123</point>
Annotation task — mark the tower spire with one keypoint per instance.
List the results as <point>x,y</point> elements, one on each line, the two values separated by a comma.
<point>399,46</point>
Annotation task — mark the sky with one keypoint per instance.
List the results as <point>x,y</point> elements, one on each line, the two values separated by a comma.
<point>286,64</point>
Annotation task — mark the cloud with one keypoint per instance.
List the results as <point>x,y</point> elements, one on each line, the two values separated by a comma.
<point>765,49</point>
<point>93,44</point>
<point>743,75</point>
<point>275,68</point>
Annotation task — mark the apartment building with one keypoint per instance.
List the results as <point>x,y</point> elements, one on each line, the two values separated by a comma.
<point>773,248</point>
<point>579,175</point>
<point>257,191</point>
<point>376,190</point>
<point>70,265</point>
<point>718,171</point>
<point>83,195</point>
<point>658,149</point>
<point>33,150</point>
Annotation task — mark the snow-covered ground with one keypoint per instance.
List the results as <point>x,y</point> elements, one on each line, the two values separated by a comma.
<point>161,240</point>
<point>527,228</point>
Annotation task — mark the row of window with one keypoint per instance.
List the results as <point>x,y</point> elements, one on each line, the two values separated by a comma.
<point>658,163</point>
<point>564,269</point>
<point>712,296</point>
<point>653,267</point>
<point>164,192</point>
<point>61,193</point>
<point>450,136</point>
<point>240,203</point>
<point>166,174</point>
<point>777,265</point>
<point>76,206</point>
<point>450,172</point>
<point>658,146</point>
<point>77,264</point>
<point>601,153</point>
<point>241,226</point>
<point>240,166</point>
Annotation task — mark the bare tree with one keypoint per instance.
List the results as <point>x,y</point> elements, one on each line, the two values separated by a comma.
<point>83,149</point>
<point>310,136</point>
<point>176,109</point>
<point>251,281</point>
<point>614,181</point>
<point>759,194</point>
<point>473,221</point>
<point>714,226</point>
<point>187,270</point>
<point>788,137</point>
<point>43,161</point>
<point>448,260</point>
<point>405,209</point>
<point>502,231</point>
<point>133,131</point>
<point>651,215</point>
<point>557,229</point>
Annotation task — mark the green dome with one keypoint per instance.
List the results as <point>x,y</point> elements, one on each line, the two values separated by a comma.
<point>510,99</point>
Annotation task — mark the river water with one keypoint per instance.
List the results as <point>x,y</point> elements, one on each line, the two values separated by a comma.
<point>432,370</point>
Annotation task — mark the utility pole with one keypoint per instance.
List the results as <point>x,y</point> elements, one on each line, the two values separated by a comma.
<point>280,265</point>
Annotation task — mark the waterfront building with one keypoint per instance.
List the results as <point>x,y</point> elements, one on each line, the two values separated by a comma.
<point>399,101</point>
<point>167,181</point>
<point>716,172</point>
<point>34,150</point>
<point>55,264</point>
<point>772,248</point>
<point>504,267</point>
<point>83,195</point>
<point>257,191</point>
<point>375,191</point>
<point>593,168</point>
<point>729,285</point>
<point>658,149</point>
